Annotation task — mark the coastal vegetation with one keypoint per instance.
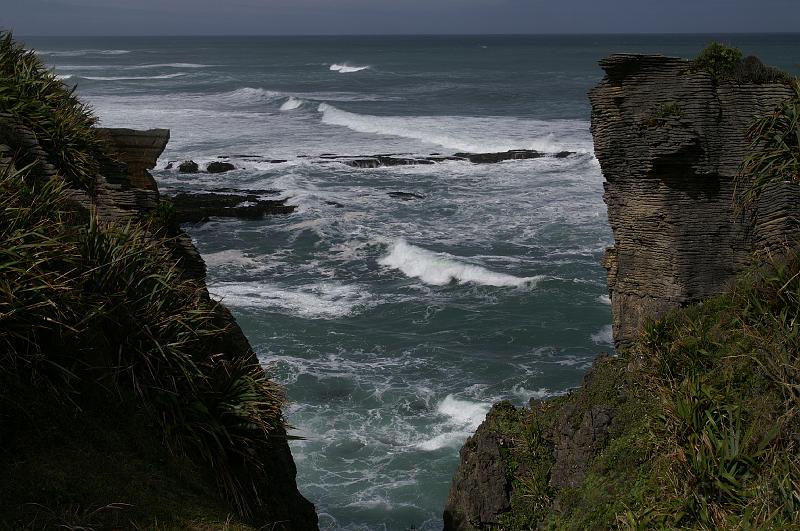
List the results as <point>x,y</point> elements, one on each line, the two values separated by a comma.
<point>127,396</point>
<point>696,425</point>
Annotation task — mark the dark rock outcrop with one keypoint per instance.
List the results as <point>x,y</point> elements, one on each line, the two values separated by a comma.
<point>194,207</point>
<point>139,150</point>
<point>670,144</point>
<point>493,158</point>
<point>405,196</point>
<point>219,167</point>
<point>188,166</point>
<point>480,490</point>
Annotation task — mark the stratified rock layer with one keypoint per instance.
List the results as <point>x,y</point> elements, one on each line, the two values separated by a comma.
<point>670,144</point>
<point>139,150</point>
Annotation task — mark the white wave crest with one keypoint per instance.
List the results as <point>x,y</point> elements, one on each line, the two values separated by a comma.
<point>63,77</point>
<point>167,65</point>
<point>249,95</point>
<point>604,299</point>
<point>132,78</point>
<point>604,336</point>
<point>470,134</point>
<point>440,269</point>
<point>292,103</point>
<point>347,69</point>
<point>316,301</point>
<point>79,53</point>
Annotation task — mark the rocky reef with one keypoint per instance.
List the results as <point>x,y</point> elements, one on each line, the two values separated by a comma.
<point>622,449</point>
<point>670,143</point>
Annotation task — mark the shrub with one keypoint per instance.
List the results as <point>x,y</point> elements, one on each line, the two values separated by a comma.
<point>718,60</point>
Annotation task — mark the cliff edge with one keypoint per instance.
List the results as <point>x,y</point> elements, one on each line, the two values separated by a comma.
<point>128,397</point>
<point>670,142</point>
<point>694,422</point>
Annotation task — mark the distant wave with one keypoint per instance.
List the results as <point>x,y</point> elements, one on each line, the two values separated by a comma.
<point>292,103</point>
<point>78,53</point>
<point>167,65</point>
<point>250,95</point>
<point>387,125</point>
<point>439,269</point>
<point>347,69</point>
<point>132,78</point>
<point>471,134</point>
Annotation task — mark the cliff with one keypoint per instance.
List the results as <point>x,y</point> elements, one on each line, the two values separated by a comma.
<point>93,460</point>
<point>692,423</point>
<point>670,143</point>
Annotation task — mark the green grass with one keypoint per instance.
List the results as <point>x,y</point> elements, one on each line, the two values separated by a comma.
<point>90,309</point>
<point>774,150</point>
<point>38,100</point>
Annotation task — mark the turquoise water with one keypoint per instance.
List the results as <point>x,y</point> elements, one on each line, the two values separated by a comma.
<point>394,325</point>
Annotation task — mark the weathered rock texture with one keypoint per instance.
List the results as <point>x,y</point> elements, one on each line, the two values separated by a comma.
<point>139,150</point>
<point>194,207</point>
<point>480,490</point>
<point>670,144</point>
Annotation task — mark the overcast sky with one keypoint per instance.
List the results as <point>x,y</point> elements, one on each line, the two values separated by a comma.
<point>302,17</point>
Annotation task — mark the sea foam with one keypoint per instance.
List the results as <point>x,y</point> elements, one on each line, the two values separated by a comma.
<point>439,269</point>
<point>604,336</point>
<point>317,301</point>
<point>463,418</point>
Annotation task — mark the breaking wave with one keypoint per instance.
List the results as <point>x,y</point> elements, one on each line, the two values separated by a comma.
<point>292,103</point>
<point>347,69</point>
<point>439,269</point>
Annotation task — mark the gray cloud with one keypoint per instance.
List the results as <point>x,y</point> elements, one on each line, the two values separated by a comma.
<point>182,17</point>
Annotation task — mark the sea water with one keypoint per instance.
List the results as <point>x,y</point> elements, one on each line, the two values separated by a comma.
<point>393,324</point>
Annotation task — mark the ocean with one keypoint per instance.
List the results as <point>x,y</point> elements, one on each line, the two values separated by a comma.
<point>393,322</point>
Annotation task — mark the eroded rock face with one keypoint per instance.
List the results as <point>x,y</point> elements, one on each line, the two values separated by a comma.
<point>670,144</point>
<point>480,490</point>
<point>139,150</point>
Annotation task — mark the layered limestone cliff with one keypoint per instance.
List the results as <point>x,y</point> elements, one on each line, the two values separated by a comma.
<point>670,144</point>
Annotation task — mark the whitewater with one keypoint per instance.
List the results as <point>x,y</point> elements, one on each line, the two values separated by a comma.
<point>396,304</point>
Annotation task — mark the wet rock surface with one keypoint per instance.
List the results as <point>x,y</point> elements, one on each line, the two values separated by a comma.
<point>219,167</point>
<point>188,166</point>
<point>196,207</point>
<point>480,490</point>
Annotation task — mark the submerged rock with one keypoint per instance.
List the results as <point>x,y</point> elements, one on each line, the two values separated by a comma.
<point>405,196</point>
<point>493,158</point>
